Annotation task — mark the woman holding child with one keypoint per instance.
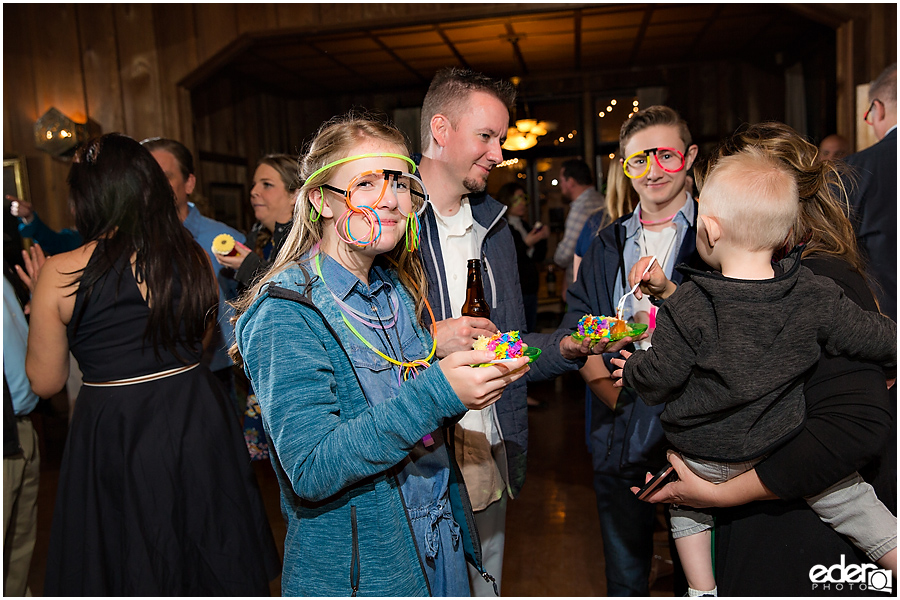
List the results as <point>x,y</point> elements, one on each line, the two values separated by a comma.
<point>355,405</point>
<point>848,416</point>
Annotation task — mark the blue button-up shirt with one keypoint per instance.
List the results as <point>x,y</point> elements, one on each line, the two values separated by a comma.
<point>204,231</point>
<point>15,338</point>
<point>633,252</point>
<point>424,474</point>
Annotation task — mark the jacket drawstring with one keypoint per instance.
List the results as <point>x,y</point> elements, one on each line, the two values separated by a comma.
<point>432,537</point>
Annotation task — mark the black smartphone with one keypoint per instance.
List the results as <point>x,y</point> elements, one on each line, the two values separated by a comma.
<point>665,475</point>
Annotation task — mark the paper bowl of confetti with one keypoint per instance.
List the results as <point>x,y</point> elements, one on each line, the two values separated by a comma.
<point>507,347</point>
<point>606,328</point>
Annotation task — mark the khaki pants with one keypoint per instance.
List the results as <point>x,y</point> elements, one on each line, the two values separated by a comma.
<point>20,492</point>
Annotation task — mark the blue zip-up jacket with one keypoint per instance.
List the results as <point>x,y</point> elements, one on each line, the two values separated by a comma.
<point>629,441</point>
<point>500,274</point>
<point>335,456</point>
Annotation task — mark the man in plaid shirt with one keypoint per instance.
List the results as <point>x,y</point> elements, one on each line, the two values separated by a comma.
<point>576,182</point>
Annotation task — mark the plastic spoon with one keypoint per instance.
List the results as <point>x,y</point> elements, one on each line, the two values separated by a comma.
<point>620,307</point>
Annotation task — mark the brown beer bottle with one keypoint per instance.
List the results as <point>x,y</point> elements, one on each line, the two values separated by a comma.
<point>475,305</point>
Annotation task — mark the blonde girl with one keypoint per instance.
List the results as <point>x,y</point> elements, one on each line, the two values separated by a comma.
<point>335,343</point>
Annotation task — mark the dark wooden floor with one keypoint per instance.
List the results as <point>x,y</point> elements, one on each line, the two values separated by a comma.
<point>553,545</point>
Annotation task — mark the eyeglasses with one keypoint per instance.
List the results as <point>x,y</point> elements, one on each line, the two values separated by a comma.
<point>637,165</point>
<point>368,190</point>
<point>869,111</point>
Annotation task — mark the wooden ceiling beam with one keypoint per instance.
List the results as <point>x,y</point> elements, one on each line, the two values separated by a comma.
<point>399,60</point>
<point>692,49</point>
<point>331,57</point>
<point>452,47</point>
<point>576,30</point>
<point>513,38</point>
<point>642,32</point>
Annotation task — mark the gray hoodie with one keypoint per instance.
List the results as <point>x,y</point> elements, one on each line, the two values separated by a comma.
<point>729,357</point>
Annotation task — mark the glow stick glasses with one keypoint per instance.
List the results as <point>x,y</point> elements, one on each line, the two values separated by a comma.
<point>637,165</point>
<point>368,190</point>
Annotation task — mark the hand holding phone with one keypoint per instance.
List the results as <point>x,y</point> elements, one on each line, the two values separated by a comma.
<point>665,475</point>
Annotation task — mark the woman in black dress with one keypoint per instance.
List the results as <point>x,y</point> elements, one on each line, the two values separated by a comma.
<point>156,496</point>
<point>767,538</point>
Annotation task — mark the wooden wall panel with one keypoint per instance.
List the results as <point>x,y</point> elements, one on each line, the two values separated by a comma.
<point>100,58</point>
<point>177,56</point>
<point>139,70</point>
<point>58,82</point>
<point>250,118</point>
<point>299,15</point>
<point>57,68</point>
<point>222,118</point>
<point>20,109</point>
<point>256,17</point>
<point>215,27</point>
<point>882,38</point>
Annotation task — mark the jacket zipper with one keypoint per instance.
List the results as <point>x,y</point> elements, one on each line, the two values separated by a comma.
<point>354,557</point>
<point>450,440</point>
<point>487,265</point>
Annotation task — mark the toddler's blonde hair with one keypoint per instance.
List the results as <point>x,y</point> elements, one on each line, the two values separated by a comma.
<point>754,197</point>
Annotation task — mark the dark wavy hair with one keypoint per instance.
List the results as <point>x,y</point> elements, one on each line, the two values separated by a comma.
<point>823,225</point>
<point>122,198</point>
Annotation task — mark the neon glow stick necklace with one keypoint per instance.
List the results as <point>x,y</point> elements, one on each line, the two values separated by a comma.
<point>406,368</point>
<point>409,368</point>
<point>659,222</point>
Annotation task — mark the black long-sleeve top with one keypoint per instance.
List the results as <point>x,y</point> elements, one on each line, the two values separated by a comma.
<point>768,548</point>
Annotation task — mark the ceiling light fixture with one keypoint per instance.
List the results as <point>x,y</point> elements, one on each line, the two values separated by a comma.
<point>525,134</point>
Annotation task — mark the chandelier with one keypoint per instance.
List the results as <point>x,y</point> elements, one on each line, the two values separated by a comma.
<point>525,134</point>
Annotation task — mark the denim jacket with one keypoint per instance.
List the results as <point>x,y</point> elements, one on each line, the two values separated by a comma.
<point>335,454</point>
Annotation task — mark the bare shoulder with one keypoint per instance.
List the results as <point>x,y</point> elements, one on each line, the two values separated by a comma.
<point>53,292</point>
<point>62,268</point>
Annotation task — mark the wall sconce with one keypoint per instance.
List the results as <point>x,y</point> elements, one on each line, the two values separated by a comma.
<point>57,134</point>
<point>525,134</point>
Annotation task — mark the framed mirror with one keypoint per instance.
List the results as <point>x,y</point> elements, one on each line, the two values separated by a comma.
<point>15,178</point>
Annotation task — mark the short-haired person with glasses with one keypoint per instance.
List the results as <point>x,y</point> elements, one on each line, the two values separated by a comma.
<point>626,436</point>
<point>873,191</point>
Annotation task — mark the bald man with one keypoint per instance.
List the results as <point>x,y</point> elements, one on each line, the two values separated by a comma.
<point>874,195</point>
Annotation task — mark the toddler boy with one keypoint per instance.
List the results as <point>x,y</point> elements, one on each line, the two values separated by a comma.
<point>732,348</point>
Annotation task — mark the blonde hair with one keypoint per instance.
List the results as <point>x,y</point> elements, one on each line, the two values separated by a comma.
<point>823,223</point>
<point>620,195</point>
<point>337,139</point>
<point>286,165</point>
<point>753,197</point>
